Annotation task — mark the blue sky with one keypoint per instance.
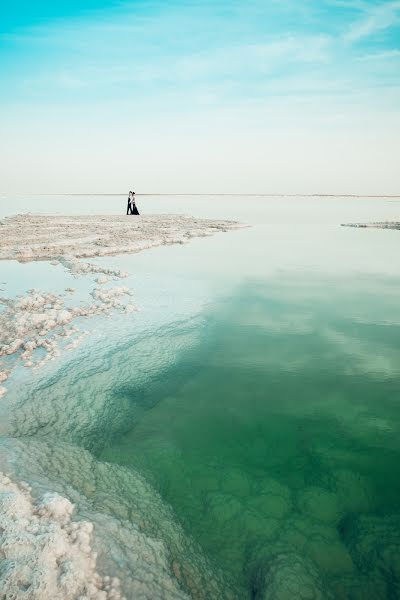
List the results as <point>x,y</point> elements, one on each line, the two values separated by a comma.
<point>260,96</point>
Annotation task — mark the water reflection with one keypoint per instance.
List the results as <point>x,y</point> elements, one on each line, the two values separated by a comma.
<point>278,445</point>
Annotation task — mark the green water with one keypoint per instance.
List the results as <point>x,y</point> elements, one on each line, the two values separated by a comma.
<point>257,390</point>
<point>276,440</point>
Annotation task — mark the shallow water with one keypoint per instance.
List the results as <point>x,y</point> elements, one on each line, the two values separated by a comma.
<point>257,391</point>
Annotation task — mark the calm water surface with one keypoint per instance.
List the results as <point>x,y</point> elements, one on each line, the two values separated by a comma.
<point>258,392</point>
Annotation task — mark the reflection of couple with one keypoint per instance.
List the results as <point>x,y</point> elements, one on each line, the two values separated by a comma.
<point>132,208</point>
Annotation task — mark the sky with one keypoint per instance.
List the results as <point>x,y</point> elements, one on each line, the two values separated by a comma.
<point>211,96</point>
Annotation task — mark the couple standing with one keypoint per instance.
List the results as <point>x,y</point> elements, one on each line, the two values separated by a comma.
<point>132,208</point>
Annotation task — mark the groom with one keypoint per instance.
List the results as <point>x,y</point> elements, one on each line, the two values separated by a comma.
<point>129,208</point>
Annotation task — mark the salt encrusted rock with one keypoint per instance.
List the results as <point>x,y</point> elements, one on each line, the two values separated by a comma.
<point>4,376</point>
<point>130,308</point>
<point>78,268</point>
<point>136,535</point>
<point>110,297</point>
<point>56,506</point>
<point>290,576</point>
<point>39,321</point>
<point>44,555</point>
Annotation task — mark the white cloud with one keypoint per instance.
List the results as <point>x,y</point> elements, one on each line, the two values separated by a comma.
<point>386,55</point>
<point>376,18</point>
<point>229,66</point>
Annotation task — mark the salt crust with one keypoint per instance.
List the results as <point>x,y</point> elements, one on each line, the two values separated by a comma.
<point>42,321</point>
<point>66,238</point>
<point>43,554</point>
<point>376,225</point>
<point>136,534</point>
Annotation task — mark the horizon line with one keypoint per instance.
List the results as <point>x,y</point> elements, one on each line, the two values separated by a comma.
<point>280,195</point>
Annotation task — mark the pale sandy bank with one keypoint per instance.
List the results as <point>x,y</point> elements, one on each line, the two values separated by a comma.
<point>48,237</point>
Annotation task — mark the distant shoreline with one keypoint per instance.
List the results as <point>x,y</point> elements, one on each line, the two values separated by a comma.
<point>380,225</point>
<point>219,194</point>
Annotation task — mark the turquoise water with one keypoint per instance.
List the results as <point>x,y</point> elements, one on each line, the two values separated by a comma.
<point>257,392</point>
<point>277,434</point>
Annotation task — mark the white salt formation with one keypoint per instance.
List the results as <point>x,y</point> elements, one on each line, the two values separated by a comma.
<point>78,268</point>
<point>135,534</point>
<point>43,553</point>
<point>65,238</point>
<point>377,225</point>
<point>40,321</point>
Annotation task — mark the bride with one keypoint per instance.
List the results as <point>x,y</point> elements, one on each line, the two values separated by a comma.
<point>133,204</point>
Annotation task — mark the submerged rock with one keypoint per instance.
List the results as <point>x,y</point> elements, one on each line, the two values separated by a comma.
<point>354,492</point>
<point>222,507</point>
<point>289,576</point>
<point>319,504</point>
<point>374,543</point>
<point>317,540</point>
<point>273,500</point>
